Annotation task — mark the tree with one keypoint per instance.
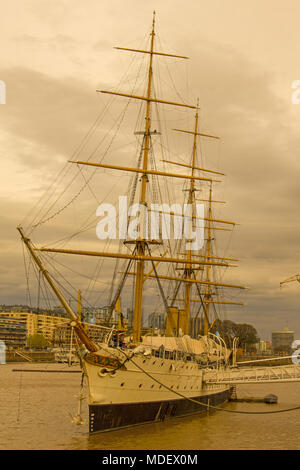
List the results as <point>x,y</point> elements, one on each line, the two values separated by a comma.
<point>247,335</point>
<point>227,329</point>
<point>37,341</point>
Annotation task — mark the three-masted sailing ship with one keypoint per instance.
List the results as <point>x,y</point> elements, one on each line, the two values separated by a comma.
<point>149,377</point>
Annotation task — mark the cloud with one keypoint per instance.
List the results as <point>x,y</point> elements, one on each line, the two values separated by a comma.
<point>50,112</point>
<point>46,118</point>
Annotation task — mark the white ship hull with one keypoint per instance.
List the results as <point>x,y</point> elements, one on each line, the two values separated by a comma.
<point>145,389</point>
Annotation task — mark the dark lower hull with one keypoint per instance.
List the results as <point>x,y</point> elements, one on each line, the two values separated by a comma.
<point>114,416</point>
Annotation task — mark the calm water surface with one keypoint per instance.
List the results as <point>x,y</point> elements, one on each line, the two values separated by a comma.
<point>36,410</point>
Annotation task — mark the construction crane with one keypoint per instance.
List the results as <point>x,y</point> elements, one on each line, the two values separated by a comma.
<point>291,279</point>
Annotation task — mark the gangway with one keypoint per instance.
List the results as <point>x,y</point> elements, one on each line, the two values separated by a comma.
<point>24,356</point>
<point>253,375</point>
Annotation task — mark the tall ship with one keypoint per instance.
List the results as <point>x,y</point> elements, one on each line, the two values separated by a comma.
<point>164,253</point>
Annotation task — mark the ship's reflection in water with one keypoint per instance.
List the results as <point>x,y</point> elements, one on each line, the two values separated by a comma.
<point>36,409</point>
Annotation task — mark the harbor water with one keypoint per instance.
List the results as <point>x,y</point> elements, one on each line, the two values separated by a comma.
<point>36,410</point>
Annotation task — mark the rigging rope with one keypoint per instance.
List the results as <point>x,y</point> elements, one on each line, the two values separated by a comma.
<point>158,282</point>
<point>121,285</point>
<point>192,400</point>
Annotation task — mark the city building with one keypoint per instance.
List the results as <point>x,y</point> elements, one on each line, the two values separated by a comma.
<point>263,347</point>
<point>97,315</point>
<point>15,308</point>
<point>35,323</point>
<point>12,332</point>
<point>282,340</point>
<point>268,345</point>
<point>62,334</point>
<point>130,317</point>
<point>156,320</point>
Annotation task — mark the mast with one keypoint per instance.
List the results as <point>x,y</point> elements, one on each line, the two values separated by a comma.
<point>191,201</point>
<point>141,244</point>
<point>189,270</point>
<point>207,297</point>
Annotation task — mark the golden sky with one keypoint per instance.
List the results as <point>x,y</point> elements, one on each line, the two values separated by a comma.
<point>244,57</point>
